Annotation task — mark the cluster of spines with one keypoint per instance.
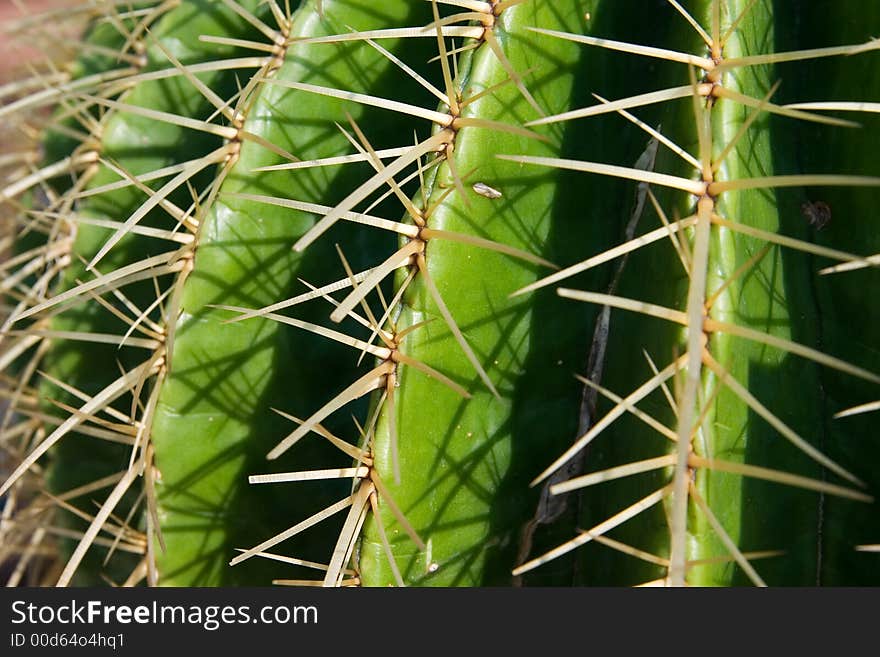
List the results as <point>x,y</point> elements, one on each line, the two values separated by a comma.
<point>415,234</point>
<point>689,403</point>
<point>705,93</point>
<point>697,360</point>
<point>36,280</point>
<point>28,515</point>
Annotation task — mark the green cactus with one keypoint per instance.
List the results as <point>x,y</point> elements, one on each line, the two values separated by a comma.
<point>446,293</point>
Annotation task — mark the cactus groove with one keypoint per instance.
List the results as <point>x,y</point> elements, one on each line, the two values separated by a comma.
<point>443,293</point>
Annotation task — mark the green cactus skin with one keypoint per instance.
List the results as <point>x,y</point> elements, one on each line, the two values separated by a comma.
<point>438,479</point>
<point>729,428</point>
<point>774,298</point>
<point>71,362</point>
<point>66,361</point>
<point>244,259</point>
<point>461,450</point>
<point>844,323</point>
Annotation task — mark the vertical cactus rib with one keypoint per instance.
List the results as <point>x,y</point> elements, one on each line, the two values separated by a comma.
<point>26,404</point>
<point>451,460</point>
<point>247,238</point>
<point>160,113</point>
<point>733,84</point>
<point>461,135</point>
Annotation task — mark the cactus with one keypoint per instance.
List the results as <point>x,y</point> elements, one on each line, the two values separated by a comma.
<point>444,293</point>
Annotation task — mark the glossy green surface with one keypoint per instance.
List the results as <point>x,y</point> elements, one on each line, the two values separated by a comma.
<point>137,144</point>
<point>778,296</point>
<point>465,464</point>
<point>215,425</point>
